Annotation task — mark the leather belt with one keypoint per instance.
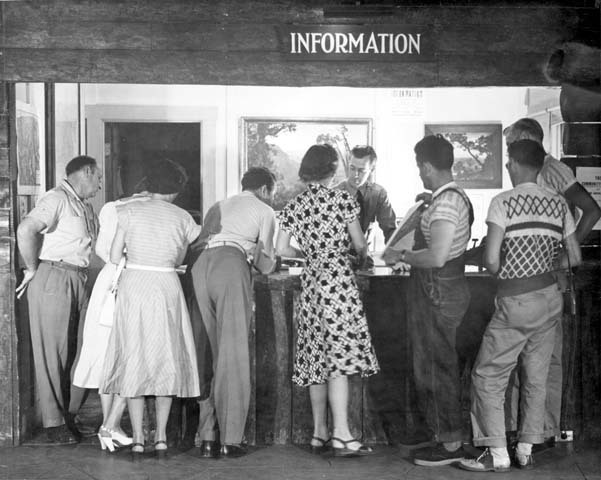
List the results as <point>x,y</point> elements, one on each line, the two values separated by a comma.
<point>225,243</point>
<point>65,266</point>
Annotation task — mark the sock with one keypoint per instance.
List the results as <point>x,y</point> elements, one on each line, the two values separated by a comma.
<point>451,446</point>
<point>524,449</point>
<point>499,456</point>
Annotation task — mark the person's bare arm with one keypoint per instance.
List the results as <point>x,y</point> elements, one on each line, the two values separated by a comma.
<point>571,255</point>
<point>29,239</point>
<point>492,252</point>
<point>577,195</point>
<point>435,256</point>
<point>358,240</point>
<point>117,246</point>
<point>283,247</point>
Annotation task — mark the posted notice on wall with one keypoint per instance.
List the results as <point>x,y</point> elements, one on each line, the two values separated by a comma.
<point>590,178</point>
<point>407,102</point>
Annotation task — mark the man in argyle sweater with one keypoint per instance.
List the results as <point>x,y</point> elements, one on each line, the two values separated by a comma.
<point>527,227</point>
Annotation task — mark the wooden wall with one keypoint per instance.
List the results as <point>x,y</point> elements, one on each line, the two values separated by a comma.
<point>235,42</point>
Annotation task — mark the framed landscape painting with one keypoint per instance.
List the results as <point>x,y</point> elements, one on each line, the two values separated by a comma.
<point>478,152</point>
<point>280,143</point>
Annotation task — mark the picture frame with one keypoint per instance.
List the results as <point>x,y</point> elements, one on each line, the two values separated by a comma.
<point>280,143</point>
<point>30,155</point>
<point>477,150</point>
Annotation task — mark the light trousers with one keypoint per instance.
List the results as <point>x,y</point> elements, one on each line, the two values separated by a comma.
<point>523,327</point>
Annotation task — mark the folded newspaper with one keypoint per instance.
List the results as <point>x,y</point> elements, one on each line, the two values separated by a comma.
<point>402,238</point>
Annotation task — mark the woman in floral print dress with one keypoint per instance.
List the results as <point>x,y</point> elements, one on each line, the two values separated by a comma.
<point>333,339</point>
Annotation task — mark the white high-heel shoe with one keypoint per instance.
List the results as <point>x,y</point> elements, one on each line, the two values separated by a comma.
<point>106,442</point>
<point>118,438</point>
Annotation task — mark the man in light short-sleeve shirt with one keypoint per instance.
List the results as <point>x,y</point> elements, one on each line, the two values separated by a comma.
<point>56,239</point>
<point>438,299</point>
<point>235,228</point>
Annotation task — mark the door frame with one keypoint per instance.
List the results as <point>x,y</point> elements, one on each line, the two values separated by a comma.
<point>97,115</point>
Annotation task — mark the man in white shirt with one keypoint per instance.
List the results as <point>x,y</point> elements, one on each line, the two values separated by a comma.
<point>238,227</point>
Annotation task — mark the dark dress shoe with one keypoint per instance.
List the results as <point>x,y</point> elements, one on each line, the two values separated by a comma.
<point>209,449</point>
<point>53,437</point>
<point>233,451</point>
<point>79,429</point>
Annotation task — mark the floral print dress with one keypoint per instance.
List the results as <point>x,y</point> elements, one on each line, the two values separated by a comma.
<point>333,339</point>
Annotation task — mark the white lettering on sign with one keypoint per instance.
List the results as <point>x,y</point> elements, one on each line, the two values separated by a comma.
<point>351,43</point>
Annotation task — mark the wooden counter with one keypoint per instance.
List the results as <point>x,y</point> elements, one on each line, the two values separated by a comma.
<point>383,407</point>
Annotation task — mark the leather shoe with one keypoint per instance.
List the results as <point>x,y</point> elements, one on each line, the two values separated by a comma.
<point>53,436</point>
<point>232,451</point>
<point>78,428</point>
<point>209,449</point>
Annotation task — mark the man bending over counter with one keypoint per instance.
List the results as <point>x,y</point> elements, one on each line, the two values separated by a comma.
<point>439,298</point>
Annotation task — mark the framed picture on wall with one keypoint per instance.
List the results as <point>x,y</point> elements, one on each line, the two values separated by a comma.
<point>478,152</point>
<point>280,143</point>
<point>29,151</point>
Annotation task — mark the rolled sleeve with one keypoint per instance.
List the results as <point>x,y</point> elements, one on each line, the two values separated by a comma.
<point>496,214</point>
<point>48,210</point>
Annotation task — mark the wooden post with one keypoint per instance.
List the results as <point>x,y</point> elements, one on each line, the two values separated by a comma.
<point>9,378</point>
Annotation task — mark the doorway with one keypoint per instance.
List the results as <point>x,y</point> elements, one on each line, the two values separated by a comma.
<point>131,147</point>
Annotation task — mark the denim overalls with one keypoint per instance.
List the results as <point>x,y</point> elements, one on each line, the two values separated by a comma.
<point>438,300</point>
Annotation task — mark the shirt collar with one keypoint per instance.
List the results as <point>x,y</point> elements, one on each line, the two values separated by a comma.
<point>446,186</point>
<point>66,186</point>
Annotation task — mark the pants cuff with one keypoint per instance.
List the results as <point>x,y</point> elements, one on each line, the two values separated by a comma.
<point>531,437</point>
<point>490,441</point>
<point>55,422</point>
<point>448,437</point>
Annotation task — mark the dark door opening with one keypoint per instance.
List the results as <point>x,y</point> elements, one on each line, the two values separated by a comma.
<point>130,147</point>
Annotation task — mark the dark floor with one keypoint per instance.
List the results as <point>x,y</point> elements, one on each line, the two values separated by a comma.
<point>87,461</point>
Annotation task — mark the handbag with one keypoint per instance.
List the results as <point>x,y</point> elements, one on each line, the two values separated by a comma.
<point>107,310</point>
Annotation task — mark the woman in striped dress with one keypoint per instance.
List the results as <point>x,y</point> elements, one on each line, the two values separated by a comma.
<point>151,349</point>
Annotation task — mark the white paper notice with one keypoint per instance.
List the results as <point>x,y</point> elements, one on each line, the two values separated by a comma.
<point>407,102</point>
<point>590,178</point>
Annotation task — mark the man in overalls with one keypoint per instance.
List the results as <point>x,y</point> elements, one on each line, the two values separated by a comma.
<point>439,297</point>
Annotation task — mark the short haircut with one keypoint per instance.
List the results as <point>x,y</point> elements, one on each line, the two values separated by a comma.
<point>362,151</point>
<point>529,153</point>
<point>319,162</point>
<point>435,150</point>
<point>166,177</point>
<point>79,163</point>
<point>527,125</point>
<point>257,177</point>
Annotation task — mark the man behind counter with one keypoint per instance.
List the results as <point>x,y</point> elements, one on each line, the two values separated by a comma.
<point>371,197</point>
<point>439,297</point>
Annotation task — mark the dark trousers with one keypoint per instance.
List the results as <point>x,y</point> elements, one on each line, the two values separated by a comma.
<point>57,300</point>
<point>438,300</point>
<point>223,289</point>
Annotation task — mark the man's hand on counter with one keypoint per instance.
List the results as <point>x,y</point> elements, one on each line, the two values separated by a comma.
<point>401,267</point>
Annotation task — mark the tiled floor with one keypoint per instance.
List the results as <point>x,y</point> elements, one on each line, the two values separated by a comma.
<point>86,461</point>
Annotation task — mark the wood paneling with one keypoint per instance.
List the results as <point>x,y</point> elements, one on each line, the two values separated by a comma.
<point>8,337</point>
<point>235,42</point>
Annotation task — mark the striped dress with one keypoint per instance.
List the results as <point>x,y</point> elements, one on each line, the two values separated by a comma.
<point>151,348</point>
